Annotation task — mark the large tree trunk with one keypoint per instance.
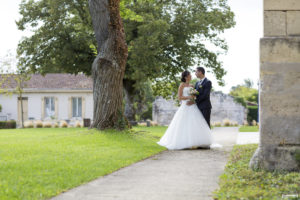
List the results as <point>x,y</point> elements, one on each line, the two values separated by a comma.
<point>109,66</point>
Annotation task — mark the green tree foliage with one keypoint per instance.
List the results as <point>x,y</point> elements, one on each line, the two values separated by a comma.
<point>248,97</point>
<point>164,37</point>
<point>245,94</point>
<point>174,36</point>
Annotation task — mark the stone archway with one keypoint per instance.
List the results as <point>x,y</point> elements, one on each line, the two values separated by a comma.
<point>279,87</point>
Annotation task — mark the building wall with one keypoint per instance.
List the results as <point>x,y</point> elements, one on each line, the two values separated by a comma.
<point>9,104</point>
<point>224,107</point>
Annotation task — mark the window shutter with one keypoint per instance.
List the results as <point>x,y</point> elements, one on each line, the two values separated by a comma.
<point>56,107</point>
<point>43,108</point>
<point>70,107</point>
<point>83,107</point>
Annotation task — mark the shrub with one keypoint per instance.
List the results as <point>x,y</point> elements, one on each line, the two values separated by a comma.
<point>38,124</point>
<point>254,123</point>
<point>246,123</point>
<point>47,124</point>
<point>78,124</point>
<point>252,113</point>
<point>63,124</point>
<point>55,125</point>
<point>28,124</point>
<point>142,124</point>
<point>234,123</point>
<point>226,122</point>
<point>0,108</point>
<point>216,124</point>
<point>8,124</point>
<point>153,123</point>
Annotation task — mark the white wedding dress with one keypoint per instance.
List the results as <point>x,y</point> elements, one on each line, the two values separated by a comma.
<point>187,129</point>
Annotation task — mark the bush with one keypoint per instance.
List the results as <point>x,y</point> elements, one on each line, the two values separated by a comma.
<point>38,124</point>
<point>153,123</point>
<point>252,113</point>
<point>47,124</point>
<point>142,124</point>
<point>77,124</point>
<point>234,123</point>
<point>63,124</point>
<point>226,122</point>
<point>28,124</point>
<point>8,124</point>
<point>55,125</point>
<point>216,124</point>
<point>0,108</point>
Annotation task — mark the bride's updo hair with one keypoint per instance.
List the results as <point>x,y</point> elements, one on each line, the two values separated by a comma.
<point>184,75</point>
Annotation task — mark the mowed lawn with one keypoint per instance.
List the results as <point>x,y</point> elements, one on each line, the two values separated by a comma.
<point>249,129</point>
<point>41,163</point>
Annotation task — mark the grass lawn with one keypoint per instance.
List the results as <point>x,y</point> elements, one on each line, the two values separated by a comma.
<point>249,129</point>
<point>41,163</point>
<point>240,182</point>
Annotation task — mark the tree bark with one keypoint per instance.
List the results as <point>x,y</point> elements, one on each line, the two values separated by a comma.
<point>109,66</point>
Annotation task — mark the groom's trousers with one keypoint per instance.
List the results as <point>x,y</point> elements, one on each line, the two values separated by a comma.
<point>206,114</point>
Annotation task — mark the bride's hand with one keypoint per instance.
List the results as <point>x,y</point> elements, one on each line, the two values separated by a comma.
<point>189,103</point>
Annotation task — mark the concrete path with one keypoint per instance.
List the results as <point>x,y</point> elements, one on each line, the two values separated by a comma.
<point>248,138</point>
<point>171,175</point>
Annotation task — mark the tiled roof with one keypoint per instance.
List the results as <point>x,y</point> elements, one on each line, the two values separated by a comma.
<point>52,81</point>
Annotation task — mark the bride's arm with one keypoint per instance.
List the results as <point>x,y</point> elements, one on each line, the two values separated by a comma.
<point>180,92</point>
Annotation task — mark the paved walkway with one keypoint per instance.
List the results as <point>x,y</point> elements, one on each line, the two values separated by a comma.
<point>171,175</point>
<point>248,138</point>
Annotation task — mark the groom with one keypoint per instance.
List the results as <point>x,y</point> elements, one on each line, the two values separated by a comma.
<point>203,86</point>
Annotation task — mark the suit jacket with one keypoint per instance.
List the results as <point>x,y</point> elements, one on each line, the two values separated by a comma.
<point>203,99</point>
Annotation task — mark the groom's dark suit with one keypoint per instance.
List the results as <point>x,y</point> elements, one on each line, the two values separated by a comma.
<point>203,99</point>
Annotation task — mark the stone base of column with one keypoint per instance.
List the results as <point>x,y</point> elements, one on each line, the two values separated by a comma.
<point>279,105</point>
<point>271,158</point>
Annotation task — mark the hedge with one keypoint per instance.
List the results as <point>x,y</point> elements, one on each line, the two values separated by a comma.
<point>8,124</point>
<point>252,114</point>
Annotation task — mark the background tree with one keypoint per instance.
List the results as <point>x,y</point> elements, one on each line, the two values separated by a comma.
<point>11,77</point>
<point>163,37</point>
<point>246,95</point>
<point>109,66</point>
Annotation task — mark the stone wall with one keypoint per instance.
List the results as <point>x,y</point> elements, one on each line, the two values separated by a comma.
<point>163,111</point>
<point>223,105</point>
<point>279,87</point>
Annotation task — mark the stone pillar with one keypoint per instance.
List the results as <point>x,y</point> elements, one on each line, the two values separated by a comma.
<point>279,88</point>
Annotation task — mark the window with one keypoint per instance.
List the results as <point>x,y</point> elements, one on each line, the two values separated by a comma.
<point>49,107</point>
<point>76,107</point>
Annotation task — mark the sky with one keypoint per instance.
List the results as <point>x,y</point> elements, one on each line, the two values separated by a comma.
<point>241,62</point>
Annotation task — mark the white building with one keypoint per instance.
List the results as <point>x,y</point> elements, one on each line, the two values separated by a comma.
<point>50,97</point>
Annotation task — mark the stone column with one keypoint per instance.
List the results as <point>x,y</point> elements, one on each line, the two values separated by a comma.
<point>279,147</point>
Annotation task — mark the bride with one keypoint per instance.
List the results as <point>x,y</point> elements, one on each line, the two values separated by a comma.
<point>188,128</point>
